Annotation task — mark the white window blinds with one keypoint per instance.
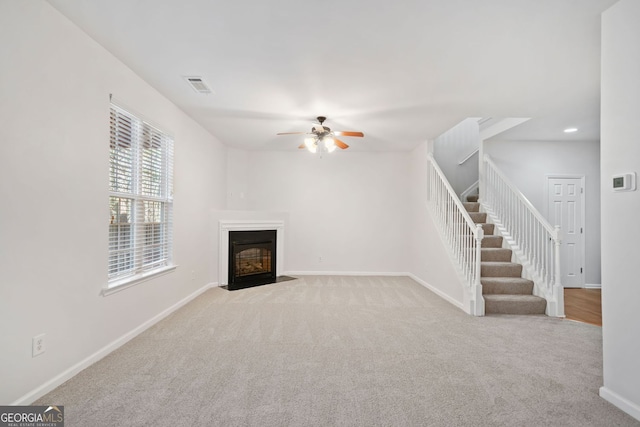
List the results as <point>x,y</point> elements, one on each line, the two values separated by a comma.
<point>140,198</point>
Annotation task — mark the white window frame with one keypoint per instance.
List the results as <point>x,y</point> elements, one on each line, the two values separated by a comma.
<point>140,200</point>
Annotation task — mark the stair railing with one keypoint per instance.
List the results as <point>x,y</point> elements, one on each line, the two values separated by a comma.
<point>533,239</point>
<point>462,236</point>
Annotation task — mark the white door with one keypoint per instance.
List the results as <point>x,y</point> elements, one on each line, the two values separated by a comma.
<point>565,209</point>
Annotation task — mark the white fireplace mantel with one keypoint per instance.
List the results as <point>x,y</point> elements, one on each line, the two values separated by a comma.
<point>247,225</point>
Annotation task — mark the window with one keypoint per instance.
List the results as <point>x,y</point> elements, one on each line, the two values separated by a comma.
<point>140,199</point>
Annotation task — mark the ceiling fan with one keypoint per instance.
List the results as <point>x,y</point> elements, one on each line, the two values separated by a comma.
<point>323,138</point>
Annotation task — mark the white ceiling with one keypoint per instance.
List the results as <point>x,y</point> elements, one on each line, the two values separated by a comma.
<point>400,71</point>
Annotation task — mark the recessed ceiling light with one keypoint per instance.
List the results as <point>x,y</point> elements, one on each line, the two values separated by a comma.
<point>570,130</point>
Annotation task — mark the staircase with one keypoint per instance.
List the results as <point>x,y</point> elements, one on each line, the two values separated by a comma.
<point>504,289</point>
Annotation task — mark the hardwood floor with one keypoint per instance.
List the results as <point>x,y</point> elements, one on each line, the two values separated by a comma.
<point>583,305</point>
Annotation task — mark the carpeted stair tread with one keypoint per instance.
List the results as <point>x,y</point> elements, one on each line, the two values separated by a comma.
<point>500,269</point>
<point>488,228</point>
<point>504,289</point>
<point>492,242</point>
<point>478,217</point>
<point>471,206</point>
<point>514,304</point>
<point>496,254</point>
<point>506,285</point>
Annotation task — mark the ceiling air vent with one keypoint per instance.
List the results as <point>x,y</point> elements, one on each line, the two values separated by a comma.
<point>198,84</point>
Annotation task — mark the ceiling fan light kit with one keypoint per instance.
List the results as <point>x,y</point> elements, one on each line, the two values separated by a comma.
<point>311,144</point>
<point>323,140</point>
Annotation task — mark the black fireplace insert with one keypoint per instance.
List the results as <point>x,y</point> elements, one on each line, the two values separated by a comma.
<point>252,258</point>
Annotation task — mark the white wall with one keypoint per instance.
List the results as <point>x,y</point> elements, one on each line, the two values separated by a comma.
<point>347,210</point>
<point>620,152</point>
<point>454,146</point>
<point>430,261</point>
<point>237,178</point>
<point>527,164</point>
<point>359,212</point>
<point>54,116</point>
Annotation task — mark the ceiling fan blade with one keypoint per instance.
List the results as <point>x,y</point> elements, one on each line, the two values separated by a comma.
<point>348,133</point>
<point>340,144</point>
<point>291,133</point>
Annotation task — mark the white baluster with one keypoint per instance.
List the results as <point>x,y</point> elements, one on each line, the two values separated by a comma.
<point>530,231</point>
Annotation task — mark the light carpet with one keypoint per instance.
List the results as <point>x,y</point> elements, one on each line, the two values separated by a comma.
<point>344,351</point>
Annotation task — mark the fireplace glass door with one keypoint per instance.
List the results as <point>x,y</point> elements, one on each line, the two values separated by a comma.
<point>252,258</point>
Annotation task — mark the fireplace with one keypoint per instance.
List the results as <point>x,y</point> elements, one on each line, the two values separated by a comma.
<point>252,258</point>
<point>241,221</point>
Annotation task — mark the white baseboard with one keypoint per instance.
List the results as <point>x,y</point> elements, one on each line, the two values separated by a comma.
<point>620,402</point>
<point>214,285</point>
<point>48,386</point>
<point>343,273</point>
<point>593,286</point>
<point>437,291</point>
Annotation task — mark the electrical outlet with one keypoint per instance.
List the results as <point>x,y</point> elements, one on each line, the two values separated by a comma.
<point>37,345</point>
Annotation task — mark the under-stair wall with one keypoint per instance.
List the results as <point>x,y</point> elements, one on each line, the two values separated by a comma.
<point>462,237</point>
<point>429,261</point>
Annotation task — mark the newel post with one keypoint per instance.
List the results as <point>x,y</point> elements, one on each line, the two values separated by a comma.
<point>478,300</point>
<point>558,289</point>
<point>481,173</point>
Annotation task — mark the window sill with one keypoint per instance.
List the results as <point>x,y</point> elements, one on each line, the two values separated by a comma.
<point>121,285</point>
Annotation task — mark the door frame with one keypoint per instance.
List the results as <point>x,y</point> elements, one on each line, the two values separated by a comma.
<point>582,178</point>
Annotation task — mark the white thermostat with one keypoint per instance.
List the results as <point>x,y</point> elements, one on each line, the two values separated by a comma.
<point>624,182</point>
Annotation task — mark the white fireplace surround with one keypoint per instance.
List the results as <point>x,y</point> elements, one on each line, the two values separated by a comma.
<point>247,225</point>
